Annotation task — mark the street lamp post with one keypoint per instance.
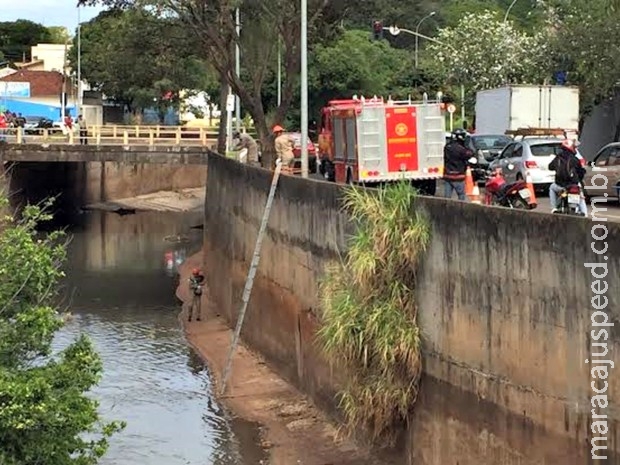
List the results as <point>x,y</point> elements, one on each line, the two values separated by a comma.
<point>237,71</point>
<point>394,30</point>
<point>304,88</point>
<point>417,36</point>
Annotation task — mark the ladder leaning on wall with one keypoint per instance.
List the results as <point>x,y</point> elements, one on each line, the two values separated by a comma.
<point>249,281</point>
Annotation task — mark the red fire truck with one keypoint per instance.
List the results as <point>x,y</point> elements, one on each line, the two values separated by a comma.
<point>372,141</point>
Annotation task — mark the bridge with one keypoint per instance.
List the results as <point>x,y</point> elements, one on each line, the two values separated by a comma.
<point>116,135</point>
<point>109,143</point>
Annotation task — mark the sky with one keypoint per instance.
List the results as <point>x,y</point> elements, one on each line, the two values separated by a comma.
<point>47,12</point>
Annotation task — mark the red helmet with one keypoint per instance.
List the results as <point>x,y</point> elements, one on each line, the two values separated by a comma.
<point>196,271</point>
<point>277,128</point>
<point>569,145</point>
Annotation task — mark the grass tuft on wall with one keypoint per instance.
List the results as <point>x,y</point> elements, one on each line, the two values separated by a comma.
<point>369,315</point>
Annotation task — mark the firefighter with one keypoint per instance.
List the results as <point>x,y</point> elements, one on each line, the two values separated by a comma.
<point>246,141</point>
<point>456,157</point>
<point>284,146</point>
<point>196,281</point>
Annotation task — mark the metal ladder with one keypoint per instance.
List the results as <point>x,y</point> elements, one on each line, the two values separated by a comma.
<point>369,146</point>
<point>249,282</point>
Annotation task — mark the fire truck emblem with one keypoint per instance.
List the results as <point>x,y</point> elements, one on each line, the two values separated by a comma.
<point>401,129</point>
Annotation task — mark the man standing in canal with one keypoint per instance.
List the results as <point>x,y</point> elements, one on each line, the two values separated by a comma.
<point>196,281</point>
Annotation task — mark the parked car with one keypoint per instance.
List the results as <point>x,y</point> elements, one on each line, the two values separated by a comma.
<point>36,124</point>
<point>530,156</point>
<point>608,158</point>
<point>312,152</point>
<point>487,147</point>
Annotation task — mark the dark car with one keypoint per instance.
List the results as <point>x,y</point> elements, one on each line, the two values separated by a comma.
<point>312,163</point>
<point>486,149</point>
<point>36,124</point>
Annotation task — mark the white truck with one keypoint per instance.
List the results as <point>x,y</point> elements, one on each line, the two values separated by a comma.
<point>518,107</point>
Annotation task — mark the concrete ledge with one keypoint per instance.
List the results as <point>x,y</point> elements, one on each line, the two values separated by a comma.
<point>176,155</point>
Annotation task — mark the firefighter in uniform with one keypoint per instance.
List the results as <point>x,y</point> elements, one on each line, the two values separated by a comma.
<point>196,281</point>
<point>284,145</point>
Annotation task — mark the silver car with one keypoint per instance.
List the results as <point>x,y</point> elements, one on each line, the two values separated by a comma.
<point>607,163</point>
<point>530,155</point>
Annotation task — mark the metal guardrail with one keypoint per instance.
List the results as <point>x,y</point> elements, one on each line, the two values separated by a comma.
<point>114,135</point>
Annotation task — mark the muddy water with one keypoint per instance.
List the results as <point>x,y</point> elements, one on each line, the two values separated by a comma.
<point>120,291</point>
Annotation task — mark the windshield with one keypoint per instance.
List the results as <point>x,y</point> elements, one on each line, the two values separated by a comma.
<point>490,142</point>
<point>33,119</point>
<point>545,150</point>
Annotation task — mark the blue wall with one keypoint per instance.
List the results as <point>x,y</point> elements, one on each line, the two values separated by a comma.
<point>35,109</point>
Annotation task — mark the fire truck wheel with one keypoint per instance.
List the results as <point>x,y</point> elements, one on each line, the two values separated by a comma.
<point>427,187</point>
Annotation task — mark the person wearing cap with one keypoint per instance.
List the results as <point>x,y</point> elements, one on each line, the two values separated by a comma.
<point>246,141</point>
<point>196,282</point>
<point>284,146</point>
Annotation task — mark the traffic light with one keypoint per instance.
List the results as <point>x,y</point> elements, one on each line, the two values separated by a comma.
<point>377,30</point>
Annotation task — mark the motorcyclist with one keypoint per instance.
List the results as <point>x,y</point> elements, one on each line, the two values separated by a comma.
<point>568,172</point>
<point>246,141</point>
<point>456,156</point>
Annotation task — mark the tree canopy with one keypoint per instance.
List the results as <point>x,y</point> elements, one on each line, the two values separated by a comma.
<point>17,37</point>
<point>45,414</point>
<point>139,59</point>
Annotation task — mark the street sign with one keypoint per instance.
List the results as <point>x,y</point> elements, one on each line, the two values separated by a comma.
<point>230,103</point>
<point>451,108</point>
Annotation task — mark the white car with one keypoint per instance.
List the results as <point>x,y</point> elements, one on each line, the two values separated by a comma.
<point>530,156</point>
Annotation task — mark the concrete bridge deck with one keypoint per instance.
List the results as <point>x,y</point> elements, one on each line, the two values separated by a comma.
<point>135,154</point>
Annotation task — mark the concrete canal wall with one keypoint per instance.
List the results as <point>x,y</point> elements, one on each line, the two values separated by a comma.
<point>81,183</point>
<point>505,309</point>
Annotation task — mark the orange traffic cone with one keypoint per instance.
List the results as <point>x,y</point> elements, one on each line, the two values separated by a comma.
<point>475,196</point>
<point>533,203</point>
<point>469,185</point>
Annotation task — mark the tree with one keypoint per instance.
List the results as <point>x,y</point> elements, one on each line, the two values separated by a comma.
<point>214,27</point>
<point>354,64</point>
<point>139,59</point>
<point>483,52</point>
<point>17,37</point>
<point>586,46</point>
<point>45,415</point>
<point>59,35</point>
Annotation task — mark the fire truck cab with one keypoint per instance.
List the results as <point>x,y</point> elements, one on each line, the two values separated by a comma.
<point>372,141</point>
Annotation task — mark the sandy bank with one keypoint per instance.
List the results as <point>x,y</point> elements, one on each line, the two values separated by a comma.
<point>175,201</point>
<point>293,429</point>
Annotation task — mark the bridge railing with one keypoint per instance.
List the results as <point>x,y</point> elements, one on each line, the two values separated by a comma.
<point>114,135</point>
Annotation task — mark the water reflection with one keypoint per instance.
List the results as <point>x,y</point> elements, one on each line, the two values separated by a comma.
<point>122,295</point>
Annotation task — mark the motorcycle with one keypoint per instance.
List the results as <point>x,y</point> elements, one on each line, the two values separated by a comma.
<point>510,195</point>
<point>569,199</point>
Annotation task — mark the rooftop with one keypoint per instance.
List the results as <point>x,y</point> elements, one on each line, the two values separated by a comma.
<point>42,83</point>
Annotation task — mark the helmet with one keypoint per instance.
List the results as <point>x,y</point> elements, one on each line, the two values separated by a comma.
<point>459,135</point>
<point>196,271</point>
<point>569,145</point>
<point>277,128</point>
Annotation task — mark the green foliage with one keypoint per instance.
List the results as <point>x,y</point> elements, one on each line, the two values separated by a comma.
<point>45,416</point>
<point>16,38</point>
<point>587,46</point>
<point>484,52</point>
<point>136,57</point>
<point>354,64</point>
<point>369,311</point>
<point>59,35</point>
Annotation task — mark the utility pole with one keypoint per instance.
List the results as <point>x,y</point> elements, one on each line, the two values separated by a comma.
<point>79,61</point>
<point>304,88</point>
<point>237,71</point>
<point>279,70</point>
